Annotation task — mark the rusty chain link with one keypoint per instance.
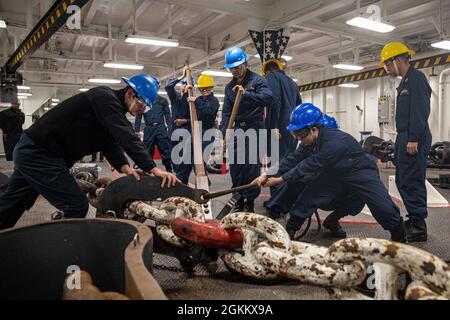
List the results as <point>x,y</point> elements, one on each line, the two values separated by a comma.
<point>340,268</point>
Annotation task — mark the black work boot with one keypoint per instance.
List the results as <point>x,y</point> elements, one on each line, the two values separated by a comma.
<point>294,224</point>
<point>399,233</point>
<point>239,206</point>
<point>249,206</point>
<point>334,227</point>
<point>416,230</point>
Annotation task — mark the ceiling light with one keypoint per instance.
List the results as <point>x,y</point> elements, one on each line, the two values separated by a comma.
<point>219,95</point>
<point>349,85</point>
<point>348,67</point>
<point>127,66</point>
<point>152,41</point>
<point>2,24</point>
<point>22,97</point>
<point>24,94</point>
<point>23,88</point>
<point>54,104</point>
<point>46,109</point>
<point>369,24</point>
<point>83,89</point>
<point>56,100</point>
<point>444,44</point>
<point>295,80</point>
<point>218,73</point>
<point>105,81</point>
<point>162,92</point>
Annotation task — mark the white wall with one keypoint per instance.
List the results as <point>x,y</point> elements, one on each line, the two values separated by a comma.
<point>30,105</point>
<point>341,103</point>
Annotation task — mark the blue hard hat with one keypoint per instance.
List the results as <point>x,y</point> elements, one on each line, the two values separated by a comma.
<point>145,86</point>
<point>329,122</point>
<point>305,115</point>
<point>234,57</point>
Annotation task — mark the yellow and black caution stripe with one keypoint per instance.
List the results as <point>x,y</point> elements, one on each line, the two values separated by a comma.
<point>376,73</point>
<point>54,19</point>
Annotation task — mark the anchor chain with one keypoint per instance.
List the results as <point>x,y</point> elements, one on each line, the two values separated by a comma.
<point>268,253</point>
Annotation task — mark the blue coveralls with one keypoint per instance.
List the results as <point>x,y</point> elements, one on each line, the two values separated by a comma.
<point>155,131</point>
<point>286,96</point>
<point>341,165</point>
<point>343,202</point>
<point>180,110</point>
<point>250,116</point>
<point>206,112</point>
<point>413,110</point>
<point>207,108</point>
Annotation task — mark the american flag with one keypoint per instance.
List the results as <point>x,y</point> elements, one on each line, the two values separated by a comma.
<point>269,43</point>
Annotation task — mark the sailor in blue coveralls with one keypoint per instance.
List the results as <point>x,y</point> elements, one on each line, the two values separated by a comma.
<point>286,96</point>
<point>207,106</point>
<point>336,166</point>
<point>286,195</point>
<point>413,142</point>
<point>157,124</point>
<point>257,95</point>
<point>181,119</point>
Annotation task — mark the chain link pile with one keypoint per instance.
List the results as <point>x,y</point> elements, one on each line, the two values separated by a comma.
<point>339,268</point>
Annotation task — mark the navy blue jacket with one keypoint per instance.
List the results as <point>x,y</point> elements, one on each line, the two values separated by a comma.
<point>159,113</point>
<point>286,96</point>
<point>293,158</point>
<point>257,96</point>
<point>207,108</point>
<point>413,105</point>
<point>335,151</point>
<point>180,106</point>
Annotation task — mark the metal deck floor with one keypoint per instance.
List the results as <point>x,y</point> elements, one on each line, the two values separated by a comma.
<point>223,284</point>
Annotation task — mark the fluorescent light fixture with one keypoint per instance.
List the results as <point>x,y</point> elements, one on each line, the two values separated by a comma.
<point>105,81</point>
<point>219,95</point>
<point>444,44</point>
<point>83,89</point>
<point>2,24</point>
<point>127,66</point>
<point>22,97</point>
<point>23,94</point>
<point>54,104</point>
<point>56,100</point>
<point>347,67</point>
<point>23,88</point>
<point>295,79</point>
<point>161,42</point>
<point>162,92</point>
<point>218,73</point>
<point>369,24</point>
<point>349,85</point>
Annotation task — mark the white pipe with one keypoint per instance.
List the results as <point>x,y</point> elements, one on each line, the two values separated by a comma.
<point>442,132</point>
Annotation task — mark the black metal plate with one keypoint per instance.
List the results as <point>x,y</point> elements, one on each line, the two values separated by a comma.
<point>126,189</point>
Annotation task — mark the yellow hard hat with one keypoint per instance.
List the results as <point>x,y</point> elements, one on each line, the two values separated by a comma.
<point>278,62</point>
<point>394,49</point>
<point>205,81</point>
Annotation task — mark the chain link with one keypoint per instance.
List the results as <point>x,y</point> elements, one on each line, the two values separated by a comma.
<point>339,268</point>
